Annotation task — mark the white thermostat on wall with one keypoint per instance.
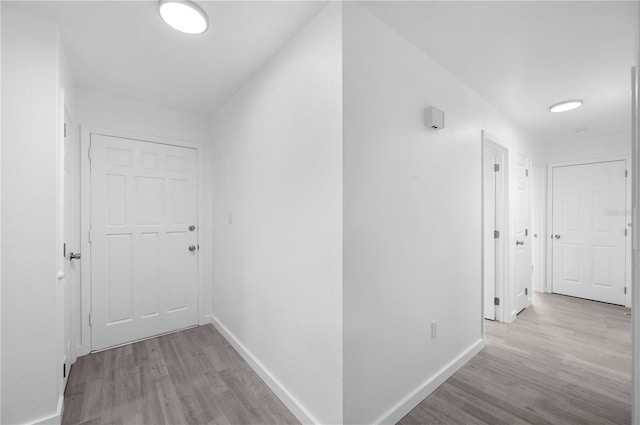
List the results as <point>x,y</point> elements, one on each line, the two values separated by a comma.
<point>434,118</point>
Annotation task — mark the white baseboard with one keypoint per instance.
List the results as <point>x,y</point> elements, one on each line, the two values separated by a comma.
<point>272,382</point>
<point>404,406</point>
<point>55,419</point>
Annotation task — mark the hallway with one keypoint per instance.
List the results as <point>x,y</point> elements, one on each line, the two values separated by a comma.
<point>562,361</point>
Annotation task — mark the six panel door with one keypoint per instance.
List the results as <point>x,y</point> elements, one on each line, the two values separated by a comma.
<point>144,239</point>
<point>588,239</point>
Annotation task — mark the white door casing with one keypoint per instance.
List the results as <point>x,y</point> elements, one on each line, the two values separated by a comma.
<point>494,171</point>
<point>522,248</point>
<point>589,227</point>
<point>538,228</point>
<point>495,215</point>
<point>69,271</point>
<point>144,278</point>
<point>489,240</point>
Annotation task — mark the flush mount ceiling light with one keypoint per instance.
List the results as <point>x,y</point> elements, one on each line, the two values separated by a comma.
<point>566,105</point>
<point>184,15</point>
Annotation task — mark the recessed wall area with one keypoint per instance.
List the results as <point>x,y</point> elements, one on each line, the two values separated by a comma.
<point>339,242</point>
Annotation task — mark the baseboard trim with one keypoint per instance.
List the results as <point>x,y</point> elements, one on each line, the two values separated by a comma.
<point>272,382</point>
<point>55,419</point>
<point>408,403</point>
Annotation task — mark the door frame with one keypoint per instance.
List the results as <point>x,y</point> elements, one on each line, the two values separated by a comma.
<point>502,220</point>
<point>550,167</point>
<point>85,219</point>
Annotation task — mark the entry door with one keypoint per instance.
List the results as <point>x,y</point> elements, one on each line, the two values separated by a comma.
<point>523,259</point>
<point>144,239</point>
<point>589,207</point>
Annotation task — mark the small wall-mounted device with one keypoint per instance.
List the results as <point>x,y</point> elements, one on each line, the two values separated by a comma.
<point>434,118</point>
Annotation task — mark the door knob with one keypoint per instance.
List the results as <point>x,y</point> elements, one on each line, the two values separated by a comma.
<point>192,248</point>
<point>557,236</point>
<point>73,256</point>
<point>519,242</point>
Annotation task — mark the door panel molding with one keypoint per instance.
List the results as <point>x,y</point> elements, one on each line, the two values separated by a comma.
<point>85,190</point>
<point>549,227</point>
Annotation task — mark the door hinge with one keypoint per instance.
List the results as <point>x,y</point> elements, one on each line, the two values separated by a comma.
<point>496,301</point>
<point>90,153</point>
<point>90,320</point>
<point>496,234</point>
<point>526,291</point>
<point>89,236</point>
<point>64,249</point>
<point>526,173</point>
<point>626,231</point>
<point>625,290</point>
<point>64,370</point>
<point>65,129</point>
<point>496,167</point>
<point>526,232</point>
<point>626,173</point>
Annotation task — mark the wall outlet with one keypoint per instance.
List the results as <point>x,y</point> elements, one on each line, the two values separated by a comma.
<point>434,329</point>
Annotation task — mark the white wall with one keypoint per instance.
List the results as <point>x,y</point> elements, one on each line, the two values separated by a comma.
<point>30,369</point>
<point>590,148</point>
<point>278,220</point>
<point>115,113</point>
<point>412,219</point>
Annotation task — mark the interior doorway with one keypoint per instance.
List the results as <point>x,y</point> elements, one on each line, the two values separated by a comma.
<point>589,231</point>
<point>143,250</point>
<point>494,213</point>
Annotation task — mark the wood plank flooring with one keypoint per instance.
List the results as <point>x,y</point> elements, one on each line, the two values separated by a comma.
<point>563,361</point>
<point>188,377</point>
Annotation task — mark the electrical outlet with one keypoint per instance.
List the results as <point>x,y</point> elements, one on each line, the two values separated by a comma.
<point>434,329</point>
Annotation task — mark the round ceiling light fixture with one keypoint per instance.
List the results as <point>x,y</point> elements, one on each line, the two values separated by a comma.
<point>184,15</point>
<point>566,105</point>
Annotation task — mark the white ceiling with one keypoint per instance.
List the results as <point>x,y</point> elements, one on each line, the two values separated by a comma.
<point>124,48</point>
<point>523,56</point>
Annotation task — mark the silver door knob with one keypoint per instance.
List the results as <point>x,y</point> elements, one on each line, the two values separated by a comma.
<point>192,248</point>
<point>556,236</point>
<point>519,242</point>
<point>73,256</point>
<point>192,228</point>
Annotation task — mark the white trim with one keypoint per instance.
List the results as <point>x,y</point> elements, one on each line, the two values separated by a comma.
<point>55,419</point>
<point>628,202</point>
<point>414,398</point>
<point>85,220</point>
<point>289,400</point>
<point>635,263</point>
<point>502,218</point>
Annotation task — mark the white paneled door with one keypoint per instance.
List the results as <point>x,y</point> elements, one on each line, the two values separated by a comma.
<point>523,252</point>
<point>589,228</point>
<point>144,239</point>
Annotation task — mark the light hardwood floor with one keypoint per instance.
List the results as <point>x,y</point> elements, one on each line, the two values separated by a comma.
<point>188,377</point>
<point>564,361</point>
